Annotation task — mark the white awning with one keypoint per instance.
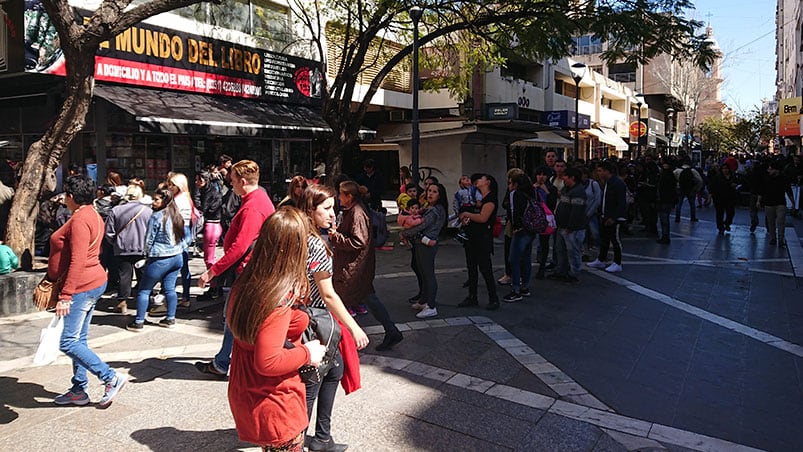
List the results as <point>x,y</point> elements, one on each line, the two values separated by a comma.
<point>610,137</point>
<point>544,139</point>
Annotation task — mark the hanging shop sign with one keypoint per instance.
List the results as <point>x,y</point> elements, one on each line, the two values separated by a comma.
<point>157,57</point>
<point>565,119</point>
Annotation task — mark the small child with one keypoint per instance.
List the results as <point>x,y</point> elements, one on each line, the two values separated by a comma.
<point>411,217</point>
<point>410,192</point>
<point>466,199</point>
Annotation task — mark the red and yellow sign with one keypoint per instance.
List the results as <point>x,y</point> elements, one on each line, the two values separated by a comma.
<point>789,117</point>
<point>634,129</point>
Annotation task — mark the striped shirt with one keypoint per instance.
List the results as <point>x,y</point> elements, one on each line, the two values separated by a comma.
<point>318,260</point>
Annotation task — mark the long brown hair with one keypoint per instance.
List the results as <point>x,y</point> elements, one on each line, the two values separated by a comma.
<point>313,196</point>
<point>277,269</point>
<point>171,212</point>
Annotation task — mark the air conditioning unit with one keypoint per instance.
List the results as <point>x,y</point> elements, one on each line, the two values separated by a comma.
<point>398,115</point>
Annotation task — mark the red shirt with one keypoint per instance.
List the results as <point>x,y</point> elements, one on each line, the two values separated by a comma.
<point>244,229</point>
<point>75,251</point>
<point>266,394</point>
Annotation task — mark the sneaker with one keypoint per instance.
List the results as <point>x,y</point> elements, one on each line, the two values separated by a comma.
<point>184,303</point>
<point>427,312</point>
<point>418,306</point>
<point>361,309</point>
<point>468,301</point>
<point>352,312</point>
<point>112,389</point>
<point>167,323</point>
<point>504,280</point>
<point>525,292</point>
<point>512,297</point>
<point>134,326</point>
<point>79,398</point>
<point>613,268</point>
<point>159,309</point>
<point>596,263</point>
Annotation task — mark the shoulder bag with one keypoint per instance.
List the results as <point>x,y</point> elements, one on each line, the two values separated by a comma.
<point>324,327</point>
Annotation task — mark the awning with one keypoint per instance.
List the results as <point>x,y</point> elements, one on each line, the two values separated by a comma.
<point>609,136</point>
<point>544,139</point>
<point>379,147</point>
<point>184,113</point>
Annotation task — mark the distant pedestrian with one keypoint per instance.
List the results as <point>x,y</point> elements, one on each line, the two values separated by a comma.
<point>266,394</point>
<point>690,182</point>
<point>773,188</point>
<point>613,217</point>
<point>722,185</point>
<point>667,199</point>
<point>74,260</point>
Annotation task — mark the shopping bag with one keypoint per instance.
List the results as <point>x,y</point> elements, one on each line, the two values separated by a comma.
<point>49,340</point>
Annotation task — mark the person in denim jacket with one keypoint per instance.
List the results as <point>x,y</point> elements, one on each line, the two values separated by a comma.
<point>164,245</point>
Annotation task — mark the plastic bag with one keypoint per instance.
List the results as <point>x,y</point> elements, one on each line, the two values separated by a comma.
<point>49,340</point>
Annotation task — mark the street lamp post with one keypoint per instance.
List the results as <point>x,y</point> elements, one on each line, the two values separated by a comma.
<point>415,13</point>
<point>578,72</point>
<point>687,138</point>
<point>639,103</point>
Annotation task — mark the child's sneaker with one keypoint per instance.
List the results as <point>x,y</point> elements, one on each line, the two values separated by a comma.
<point>112,389</point>
<point>71,397</point>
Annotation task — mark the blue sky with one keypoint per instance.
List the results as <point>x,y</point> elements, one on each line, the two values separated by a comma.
<point>745,30</point>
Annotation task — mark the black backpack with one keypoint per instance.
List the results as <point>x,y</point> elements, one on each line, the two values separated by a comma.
<point>686,181</point>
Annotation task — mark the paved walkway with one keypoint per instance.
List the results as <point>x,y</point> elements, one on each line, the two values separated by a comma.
<point>695,346</point>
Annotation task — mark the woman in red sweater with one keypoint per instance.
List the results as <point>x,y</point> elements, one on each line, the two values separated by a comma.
<point>74,260</point>
<point>266,394</point>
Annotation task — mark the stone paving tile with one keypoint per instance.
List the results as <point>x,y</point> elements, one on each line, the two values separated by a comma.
<point>558,433</point>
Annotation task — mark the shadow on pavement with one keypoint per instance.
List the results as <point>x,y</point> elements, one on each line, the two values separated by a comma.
<point>21,395</point>
<point>171,439</point>
<point>182,368</point>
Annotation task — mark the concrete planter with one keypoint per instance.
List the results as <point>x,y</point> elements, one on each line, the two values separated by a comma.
<point>16,292</point>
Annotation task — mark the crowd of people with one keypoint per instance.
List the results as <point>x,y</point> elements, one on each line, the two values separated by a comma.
<point>318,250</point>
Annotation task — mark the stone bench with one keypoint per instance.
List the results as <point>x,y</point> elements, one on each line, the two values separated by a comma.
<point>16,292</point>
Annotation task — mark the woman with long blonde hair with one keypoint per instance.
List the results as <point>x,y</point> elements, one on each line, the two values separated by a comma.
<point>266,394</point>
<point>178,184</point>
<point>294,191</point>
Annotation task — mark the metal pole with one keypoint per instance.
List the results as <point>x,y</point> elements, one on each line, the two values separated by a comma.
<point>577,119</point>
<point>415,14</point>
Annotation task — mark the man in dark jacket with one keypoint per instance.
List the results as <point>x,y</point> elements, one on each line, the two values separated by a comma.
<point>771,196</point>
<point>667,199</point>
<point>571,219</point>
<point>614,214</point>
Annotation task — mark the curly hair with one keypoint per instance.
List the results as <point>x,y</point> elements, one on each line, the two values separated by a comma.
<point>81,188</point>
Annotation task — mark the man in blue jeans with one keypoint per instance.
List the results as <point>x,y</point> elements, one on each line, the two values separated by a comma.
<point>255,208</point>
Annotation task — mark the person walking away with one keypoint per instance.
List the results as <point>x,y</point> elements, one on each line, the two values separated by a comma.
<point>354,260</point>
<point>722,185</point>
<point>164,243</point>
<point>245,226</point>
<point>208,201</point>
<point>179,185</point>
<point>75,261</point>
<point>667,199</point>
<point>571,220</point>
<point>126,229</point>
<point>426,247</point>
<point>772,191</point>
<point>689,183</point>
<point>522,193</point>
<point>318,202</point>
<point>266,394</point>
<point>479,246</point>
<point>614,215</point>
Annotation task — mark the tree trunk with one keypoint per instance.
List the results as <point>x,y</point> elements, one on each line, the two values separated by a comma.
<point>38,171</point>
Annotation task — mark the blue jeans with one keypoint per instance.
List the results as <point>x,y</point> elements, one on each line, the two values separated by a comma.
<point>570,252</point>
<point>186,276</point>
<point>157,269</point>
<point>664,210</point>
<point>223,358</point>
<point>73,340</point>
<point>521,262</point>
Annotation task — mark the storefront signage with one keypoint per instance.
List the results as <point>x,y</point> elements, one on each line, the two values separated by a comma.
<point>147,55</point>
<point>789,117</point>
<point>565,119</point>
<point>503,111</point>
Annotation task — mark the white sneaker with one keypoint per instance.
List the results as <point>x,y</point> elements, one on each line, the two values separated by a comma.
<point>614,268</point>
<point>596,264</point>
<point>427,312</point>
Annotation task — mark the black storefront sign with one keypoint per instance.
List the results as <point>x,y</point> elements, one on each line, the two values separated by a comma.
<point>502,111</point>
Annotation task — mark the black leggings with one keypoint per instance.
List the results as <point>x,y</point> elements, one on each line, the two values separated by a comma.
<point>325,393</point>
<point>478,256</point>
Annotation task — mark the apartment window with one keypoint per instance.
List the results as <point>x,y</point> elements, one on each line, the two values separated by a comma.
<point>623,72</point>
<point>515,70</point>
<point>587,45</point>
